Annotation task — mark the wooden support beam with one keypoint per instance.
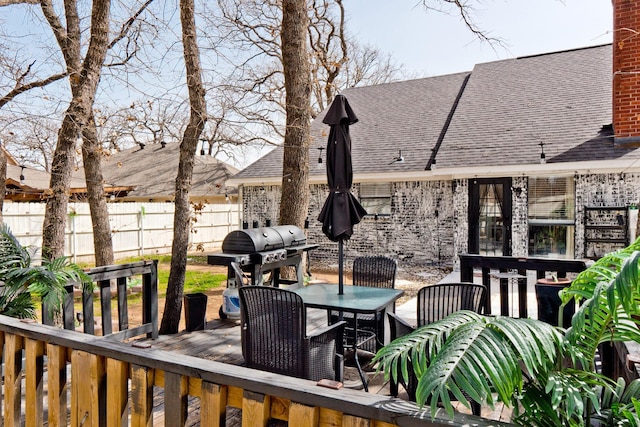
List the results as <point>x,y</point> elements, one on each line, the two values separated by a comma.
<point>34,383</point>
<point>57,385</point>
<point>117,393</point>
<point>141,396</point>
<point>213,407</point>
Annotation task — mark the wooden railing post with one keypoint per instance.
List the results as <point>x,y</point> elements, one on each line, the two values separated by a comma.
<point>150,299</point>
<point>303,416</point>
<point>57,385</point>
<point>176,392</point>
<point>141,396</point>
<point>117,393</point>
<point>256,407</point>
<point>34,383</point>
<point>12,379</point>
<point>213,410</point>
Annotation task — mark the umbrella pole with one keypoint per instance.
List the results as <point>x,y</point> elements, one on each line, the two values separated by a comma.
<point>340,268</point>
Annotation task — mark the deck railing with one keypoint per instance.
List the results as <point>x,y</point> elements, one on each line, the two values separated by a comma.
<point>619,360</point>
<point>519,266</point>
<point>94,381</point>
<point>103,277</point>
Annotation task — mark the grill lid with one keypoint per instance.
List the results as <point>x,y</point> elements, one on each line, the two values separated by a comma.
<point>263,239</point>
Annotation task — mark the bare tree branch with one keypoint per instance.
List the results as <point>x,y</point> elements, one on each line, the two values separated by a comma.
<point>466,12</point>
<point>12,2</point>
<point>23,88</point>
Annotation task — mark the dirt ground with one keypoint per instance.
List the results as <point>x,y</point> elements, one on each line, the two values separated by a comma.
<point>408,280</point>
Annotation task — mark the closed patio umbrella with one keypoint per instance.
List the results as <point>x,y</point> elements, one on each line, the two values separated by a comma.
<point>341,210</point>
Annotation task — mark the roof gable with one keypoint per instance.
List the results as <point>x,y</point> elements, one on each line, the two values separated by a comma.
<point>562,99</point>
<point>405,116</point>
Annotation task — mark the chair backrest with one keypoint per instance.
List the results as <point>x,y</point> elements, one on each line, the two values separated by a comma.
<point>273,328</point>
<point>438,301</point>
<point>374,271</point>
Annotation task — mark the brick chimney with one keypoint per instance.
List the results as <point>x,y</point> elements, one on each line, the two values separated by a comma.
<point>626,72</point>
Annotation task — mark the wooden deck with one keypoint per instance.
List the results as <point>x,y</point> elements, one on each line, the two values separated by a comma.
<point>220,341</point>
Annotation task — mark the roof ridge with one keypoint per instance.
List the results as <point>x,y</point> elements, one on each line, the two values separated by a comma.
<point>562,51</point>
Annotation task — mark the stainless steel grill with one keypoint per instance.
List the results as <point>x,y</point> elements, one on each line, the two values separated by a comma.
<point>251,254</point>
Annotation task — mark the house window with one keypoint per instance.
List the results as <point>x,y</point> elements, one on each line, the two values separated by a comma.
<point>551,217</point>
<point>376,198</point>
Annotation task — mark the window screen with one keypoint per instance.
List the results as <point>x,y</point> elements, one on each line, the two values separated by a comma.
<point>551,217</point>
<point>376,198</point>
<point>551,199</point>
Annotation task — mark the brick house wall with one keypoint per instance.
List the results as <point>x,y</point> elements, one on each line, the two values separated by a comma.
<point>429,220</point>
<point>419,231</point>
<point>613,189</point>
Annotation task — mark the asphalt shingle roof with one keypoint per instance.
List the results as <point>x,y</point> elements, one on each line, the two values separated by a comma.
<point>152,172</point>
<point>562,99</point>
<point>507,108</point>
<point>405,116</point>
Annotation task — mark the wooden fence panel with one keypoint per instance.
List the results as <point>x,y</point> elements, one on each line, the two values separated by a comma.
<point>137,228</point>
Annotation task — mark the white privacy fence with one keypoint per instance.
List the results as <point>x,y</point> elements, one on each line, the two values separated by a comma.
<point>137,229</point>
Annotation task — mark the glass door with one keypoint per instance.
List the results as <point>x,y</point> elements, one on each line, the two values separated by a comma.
<point>490,217</point>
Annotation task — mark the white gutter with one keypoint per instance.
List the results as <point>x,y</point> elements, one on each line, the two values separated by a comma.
<point>564,168</point>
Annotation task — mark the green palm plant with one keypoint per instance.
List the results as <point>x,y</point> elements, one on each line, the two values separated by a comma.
<point>22,281</point>
<point>546,374</point>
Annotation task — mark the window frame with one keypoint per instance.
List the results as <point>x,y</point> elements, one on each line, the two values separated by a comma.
<point>381,192</point>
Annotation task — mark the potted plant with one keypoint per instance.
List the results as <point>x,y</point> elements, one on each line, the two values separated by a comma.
<point>22,281</point>
<point>549,303</point>
<point>546,374</point>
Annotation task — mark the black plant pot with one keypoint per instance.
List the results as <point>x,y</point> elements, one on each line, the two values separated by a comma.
<point>549,303</point>
<point>195,311</point>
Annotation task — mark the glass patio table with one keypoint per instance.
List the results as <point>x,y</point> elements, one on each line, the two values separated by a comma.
<point>356,300</point>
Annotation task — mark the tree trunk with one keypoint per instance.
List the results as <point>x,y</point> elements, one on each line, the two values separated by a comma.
<point>182,215</point>
<point>91,156</point>
<point>294,204</point>
<point>83,88</point>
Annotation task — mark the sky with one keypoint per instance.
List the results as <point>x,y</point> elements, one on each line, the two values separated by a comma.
<point>430,43</point>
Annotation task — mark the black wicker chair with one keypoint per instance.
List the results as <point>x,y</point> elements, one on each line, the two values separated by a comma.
<point>274,338</point>
<point>377,272</point>
<point>436,302</point>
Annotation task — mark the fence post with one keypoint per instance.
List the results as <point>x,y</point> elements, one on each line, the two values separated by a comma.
<point>73,237</point>
<point>141,232</point>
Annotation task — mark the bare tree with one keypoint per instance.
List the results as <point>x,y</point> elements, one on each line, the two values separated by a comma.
<point>182,215</point>
<point>84,76</point>
<point>294,203</point>
<point>78,123</point>
<point>465,9</point>
<point>256,80</point>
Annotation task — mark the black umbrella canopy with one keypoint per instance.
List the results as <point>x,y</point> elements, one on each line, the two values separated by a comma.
<point>341,210</point>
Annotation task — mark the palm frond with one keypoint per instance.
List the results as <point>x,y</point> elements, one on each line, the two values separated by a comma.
<point>19,305</point>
